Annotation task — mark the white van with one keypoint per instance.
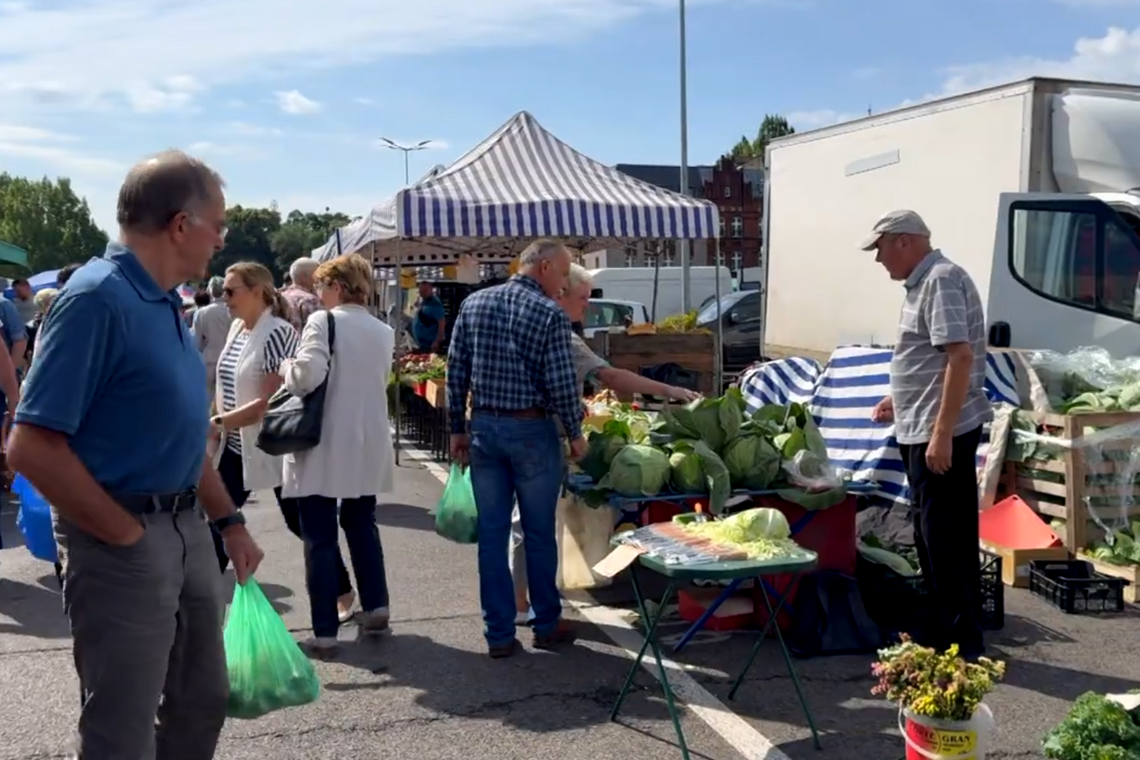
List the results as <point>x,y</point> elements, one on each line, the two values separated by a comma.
<point>636,284</point>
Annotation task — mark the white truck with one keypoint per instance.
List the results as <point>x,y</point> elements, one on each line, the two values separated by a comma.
<point>1032,187</point>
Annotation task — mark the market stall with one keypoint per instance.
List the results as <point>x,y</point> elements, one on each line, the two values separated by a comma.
<point>521,184</point>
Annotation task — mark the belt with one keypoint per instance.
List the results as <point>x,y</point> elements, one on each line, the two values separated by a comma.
<point>531,413</point>
<point>155,503</point>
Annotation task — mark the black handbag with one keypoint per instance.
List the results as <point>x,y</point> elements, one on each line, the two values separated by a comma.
<point>292,424</point>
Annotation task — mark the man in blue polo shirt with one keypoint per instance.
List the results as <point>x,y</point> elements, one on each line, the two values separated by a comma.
<point>112,429</point>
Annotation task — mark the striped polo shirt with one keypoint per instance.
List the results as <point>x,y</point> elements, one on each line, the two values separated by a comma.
<point>942,306</point>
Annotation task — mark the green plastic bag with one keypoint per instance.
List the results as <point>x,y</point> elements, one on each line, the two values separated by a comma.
<point>268,671</point>
<point>456,517</point>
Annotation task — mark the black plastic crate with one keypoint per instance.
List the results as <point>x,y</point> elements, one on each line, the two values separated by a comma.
<point>902,603</point>
<point>1074,586</point>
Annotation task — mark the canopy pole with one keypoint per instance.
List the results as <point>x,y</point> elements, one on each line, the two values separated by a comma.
<point>718,372</point>
<point>399,327</point>
<point>686,250</point>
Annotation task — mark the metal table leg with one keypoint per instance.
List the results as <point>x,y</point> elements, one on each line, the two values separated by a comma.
<point>651,621</point>
<point>773,615</point>
<point>696,627</point>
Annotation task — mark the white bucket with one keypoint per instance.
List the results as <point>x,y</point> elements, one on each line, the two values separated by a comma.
<point>933,739</point>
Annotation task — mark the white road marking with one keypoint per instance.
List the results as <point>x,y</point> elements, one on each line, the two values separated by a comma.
<point>734,730</point>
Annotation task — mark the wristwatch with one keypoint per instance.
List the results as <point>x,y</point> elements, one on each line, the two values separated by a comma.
<point>229,521</point>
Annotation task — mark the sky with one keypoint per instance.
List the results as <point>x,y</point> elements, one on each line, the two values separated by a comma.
<point>289,100</point>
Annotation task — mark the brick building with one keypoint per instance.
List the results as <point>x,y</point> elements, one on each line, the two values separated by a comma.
<point>737,192</point>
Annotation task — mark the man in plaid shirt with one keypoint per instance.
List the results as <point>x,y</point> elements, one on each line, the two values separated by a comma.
<point>510,349</point>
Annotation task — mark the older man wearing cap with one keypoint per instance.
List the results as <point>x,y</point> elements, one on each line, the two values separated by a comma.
<point>938,407</point>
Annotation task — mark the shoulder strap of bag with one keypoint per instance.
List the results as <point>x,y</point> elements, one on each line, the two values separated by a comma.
<point>332,332</point>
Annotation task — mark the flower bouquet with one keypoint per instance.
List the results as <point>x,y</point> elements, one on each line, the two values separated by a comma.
<point>940,695</point>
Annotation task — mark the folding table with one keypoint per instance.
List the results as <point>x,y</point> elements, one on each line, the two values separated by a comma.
<point>715,571</point>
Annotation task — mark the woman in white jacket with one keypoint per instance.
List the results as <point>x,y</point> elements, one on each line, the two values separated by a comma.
<point>259,340</point>
<point>354,460</point>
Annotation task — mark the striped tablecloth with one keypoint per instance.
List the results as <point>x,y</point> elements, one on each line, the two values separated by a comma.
<point>841,396</point>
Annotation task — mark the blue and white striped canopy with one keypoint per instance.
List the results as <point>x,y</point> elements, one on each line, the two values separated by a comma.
<point>377,225</point>
<point>523,182</point>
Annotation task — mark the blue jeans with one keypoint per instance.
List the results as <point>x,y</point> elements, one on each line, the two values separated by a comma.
<point>322,548</point>
<point>513,458</point>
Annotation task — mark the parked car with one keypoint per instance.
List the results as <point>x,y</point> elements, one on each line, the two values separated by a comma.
<point>607,314</point>
<point>740,315</point>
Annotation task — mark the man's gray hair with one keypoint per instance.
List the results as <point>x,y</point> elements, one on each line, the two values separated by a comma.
<point>158,189</point>
<point>216,287</point>
<point>303,268</point>
<point>579,276</point>
<point>540,250</point>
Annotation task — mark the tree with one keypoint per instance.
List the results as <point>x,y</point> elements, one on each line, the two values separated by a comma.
<point>772,127</point>
<point>259,234</point>
<point>48,220</point>
<point>301,233</point>
<point>250,230</point>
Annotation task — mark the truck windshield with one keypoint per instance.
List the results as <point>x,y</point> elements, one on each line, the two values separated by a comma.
<point>708,312</point>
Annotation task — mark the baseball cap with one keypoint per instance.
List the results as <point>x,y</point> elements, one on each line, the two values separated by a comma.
<point>901,222</point>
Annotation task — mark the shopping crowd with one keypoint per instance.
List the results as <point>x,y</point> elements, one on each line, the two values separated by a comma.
<point>148,514</point>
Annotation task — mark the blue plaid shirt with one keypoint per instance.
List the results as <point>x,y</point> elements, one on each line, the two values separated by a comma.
<point>510,348</point>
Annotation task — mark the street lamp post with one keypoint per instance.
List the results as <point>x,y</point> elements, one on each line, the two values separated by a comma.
<point>406,149</point>
<point>686,246</point>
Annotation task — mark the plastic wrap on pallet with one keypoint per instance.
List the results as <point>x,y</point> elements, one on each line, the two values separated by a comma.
<point>1111,463</point>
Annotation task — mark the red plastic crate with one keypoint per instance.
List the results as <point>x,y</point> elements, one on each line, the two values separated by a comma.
<point>662,511</point>
<point>737,613</point>
<point>830,533</point>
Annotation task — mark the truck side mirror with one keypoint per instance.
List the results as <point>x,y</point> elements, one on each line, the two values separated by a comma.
<point>1136,301</point>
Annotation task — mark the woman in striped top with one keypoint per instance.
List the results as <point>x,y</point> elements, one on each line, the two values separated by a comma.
<point>260,340</point>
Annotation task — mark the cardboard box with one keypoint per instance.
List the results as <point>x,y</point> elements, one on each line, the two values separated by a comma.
<point>1015,562</point>
<point>435,393</point>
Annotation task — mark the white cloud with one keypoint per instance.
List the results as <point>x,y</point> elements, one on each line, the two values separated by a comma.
<point>78,47</point>
<point>1115,57</point>
<point>293,102</point>
<point>364,101</point>
<point>54,149</point>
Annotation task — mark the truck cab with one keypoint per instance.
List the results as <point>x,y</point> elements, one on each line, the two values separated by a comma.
<point>1066,269</point>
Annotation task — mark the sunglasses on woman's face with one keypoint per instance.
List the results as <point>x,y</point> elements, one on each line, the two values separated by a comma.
<point>229,292</point>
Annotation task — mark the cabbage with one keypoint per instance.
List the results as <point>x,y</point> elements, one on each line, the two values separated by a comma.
<point>688,476</point>
<point>637,470</point>
<point>716,421</point>
<point>752,462</point>
<point>888,559</point>
<point>600,452</point>
<point>717,481</point>
<point>755,524</point>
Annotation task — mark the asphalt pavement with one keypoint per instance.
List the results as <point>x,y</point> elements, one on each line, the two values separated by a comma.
<point>429,692</point>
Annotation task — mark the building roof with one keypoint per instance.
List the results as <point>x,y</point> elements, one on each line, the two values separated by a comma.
<point>669,177</point>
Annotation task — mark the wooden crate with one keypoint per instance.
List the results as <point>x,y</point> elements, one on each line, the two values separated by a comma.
<point>696,352</point>
<point>1130,573</point>
<point>1064,487</point>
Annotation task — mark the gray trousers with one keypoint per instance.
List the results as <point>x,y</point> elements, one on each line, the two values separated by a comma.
<point>146,621</point>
